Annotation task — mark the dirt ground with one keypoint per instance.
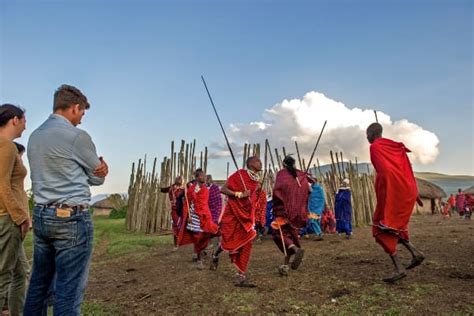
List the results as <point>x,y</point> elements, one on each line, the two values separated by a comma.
<point>337,276</point>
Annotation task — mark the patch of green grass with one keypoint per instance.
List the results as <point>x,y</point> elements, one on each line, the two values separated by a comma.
<point>379,299</point>
<point>241,302</point>
<point>98,309</point>
<point>302,307</point>
<point>28,244</point>
<point>93,309</point>
<point>422,289</point>
<point>468,310</point>
<point>120,241</point>
<point>345,254</point>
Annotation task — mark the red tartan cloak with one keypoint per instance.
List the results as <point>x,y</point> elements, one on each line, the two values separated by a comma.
<point>290,199</point>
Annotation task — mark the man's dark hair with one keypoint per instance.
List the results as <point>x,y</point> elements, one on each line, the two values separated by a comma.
<point>375,130</point>
<point>21,149</point>
<point>66,96</point>
<point>249,161</point>
<point>9,111</point>
<point>198,172</point>
<point>290,165</point>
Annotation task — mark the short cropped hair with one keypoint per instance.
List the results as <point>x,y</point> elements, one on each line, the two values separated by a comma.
<point>66,96</point>
<point>375,129</point>
<point>198,172</point>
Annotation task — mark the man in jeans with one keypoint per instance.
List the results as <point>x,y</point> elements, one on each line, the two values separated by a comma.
<point>63,163</point>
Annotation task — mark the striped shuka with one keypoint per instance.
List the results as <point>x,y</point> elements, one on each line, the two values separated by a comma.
<point>199,229</point>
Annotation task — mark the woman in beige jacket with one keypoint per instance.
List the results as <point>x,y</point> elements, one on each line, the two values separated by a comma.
<point>14,218</point>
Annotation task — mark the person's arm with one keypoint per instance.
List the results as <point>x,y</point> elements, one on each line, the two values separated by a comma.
<point>226,191</point>
<point>234,179</point>
<point>165,190</point>
<point>7,161</point>
<point>84,153</point>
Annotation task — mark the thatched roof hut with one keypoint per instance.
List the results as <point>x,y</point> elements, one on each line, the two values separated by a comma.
<point>103,204</point>
<point>429,190</point>
<point>469,190</point>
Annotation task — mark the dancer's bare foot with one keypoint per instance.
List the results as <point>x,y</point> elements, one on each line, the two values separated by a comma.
<point>395,277</point>
<point>415,262</point>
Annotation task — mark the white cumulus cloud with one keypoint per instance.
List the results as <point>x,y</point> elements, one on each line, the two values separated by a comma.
<point>302,119</point>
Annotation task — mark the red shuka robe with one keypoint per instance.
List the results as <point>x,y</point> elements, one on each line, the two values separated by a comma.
<point>396,192</point>
<point>238,220</point>
<point>201,208</point>
<point>174,193</point>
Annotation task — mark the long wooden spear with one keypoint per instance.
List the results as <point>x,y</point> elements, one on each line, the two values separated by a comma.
<point>315,147</point>
<point>223,132</point>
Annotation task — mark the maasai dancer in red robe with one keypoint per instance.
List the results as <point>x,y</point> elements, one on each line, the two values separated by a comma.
<point>469,206</point>
<point>238,219</point>
<point>197,225</point>
<point>176,196</point>
<point>396,191</point>
<point>461,202</point>
<point>290,208</point>
<point>452,204</point>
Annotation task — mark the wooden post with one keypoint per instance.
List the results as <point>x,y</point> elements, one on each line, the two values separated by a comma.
<point>244,156</point>
<point>205,160</point>
<point>299,157</point>
<point>201,161</point>
<point>278,159</point>
<point>343,167</point>
<point>271,155</point>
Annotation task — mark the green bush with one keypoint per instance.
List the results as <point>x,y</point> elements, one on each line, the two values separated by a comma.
<point>118,213</point>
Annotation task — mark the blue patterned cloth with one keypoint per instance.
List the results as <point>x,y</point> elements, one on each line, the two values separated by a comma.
<point>343,209</point>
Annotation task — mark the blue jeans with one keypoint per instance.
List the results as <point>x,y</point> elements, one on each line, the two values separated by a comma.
<point>62,248</point>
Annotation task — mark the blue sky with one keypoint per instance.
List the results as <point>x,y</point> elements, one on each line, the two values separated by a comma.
<point>139,63</point>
